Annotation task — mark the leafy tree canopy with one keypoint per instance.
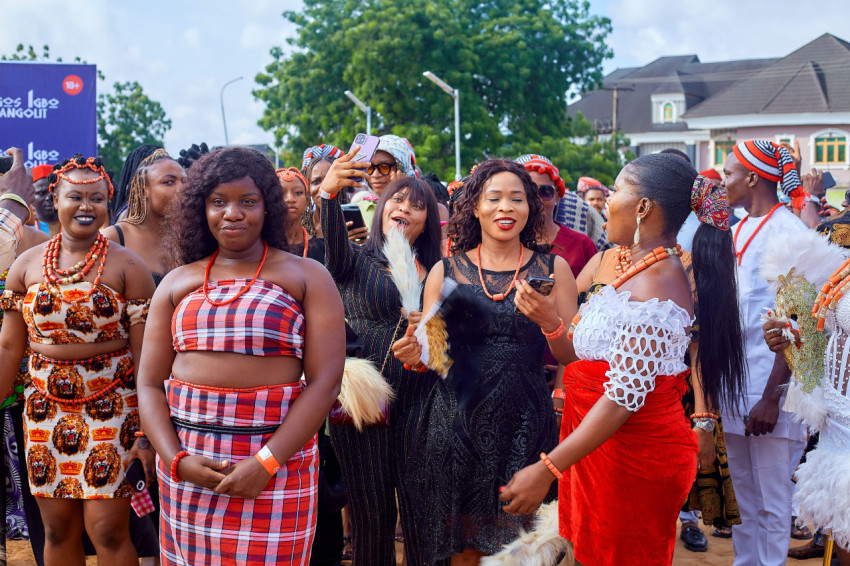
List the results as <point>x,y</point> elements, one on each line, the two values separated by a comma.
<point>513,62</point>
<point>127,118</point>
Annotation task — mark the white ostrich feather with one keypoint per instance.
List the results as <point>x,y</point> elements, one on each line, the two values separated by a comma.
<point>402,263</point>
<point>808,252</point>
<point>364,392</point>
<point>540,547</point>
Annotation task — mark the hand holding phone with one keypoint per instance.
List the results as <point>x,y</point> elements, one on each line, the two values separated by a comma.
<point>368,147</point>
<point>542,285</point>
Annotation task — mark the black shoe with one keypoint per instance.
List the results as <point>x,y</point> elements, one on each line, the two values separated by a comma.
<point>694,539</point>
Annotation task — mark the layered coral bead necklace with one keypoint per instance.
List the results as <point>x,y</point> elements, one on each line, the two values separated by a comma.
<point>75,274</point>
<point>658,254</point>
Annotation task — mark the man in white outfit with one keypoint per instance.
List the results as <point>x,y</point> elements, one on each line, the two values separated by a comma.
<point>763,445</point>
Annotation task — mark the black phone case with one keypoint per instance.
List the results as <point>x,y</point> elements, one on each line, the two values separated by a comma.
<point>135,474</point>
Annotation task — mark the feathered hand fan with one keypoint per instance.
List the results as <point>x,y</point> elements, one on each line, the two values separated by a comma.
<point>403,270</point>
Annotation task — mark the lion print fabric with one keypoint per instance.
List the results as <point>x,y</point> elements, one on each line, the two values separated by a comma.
<point>79,451</point>
<point>105,316</point>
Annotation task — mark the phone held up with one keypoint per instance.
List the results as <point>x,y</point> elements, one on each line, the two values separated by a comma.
<point>368,146</point>
<point>542,285</point>
<point>352,213</point>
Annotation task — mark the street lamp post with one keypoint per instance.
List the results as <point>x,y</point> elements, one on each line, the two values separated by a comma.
<point>367,109</point>
<point>455,94</point>
<point>221,98</point>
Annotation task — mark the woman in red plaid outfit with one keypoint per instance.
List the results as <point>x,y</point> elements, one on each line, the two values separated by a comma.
<point>232,330</point>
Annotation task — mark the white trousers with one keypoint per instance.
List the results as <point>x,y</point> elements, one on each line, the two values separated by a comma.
<point>761,468</point>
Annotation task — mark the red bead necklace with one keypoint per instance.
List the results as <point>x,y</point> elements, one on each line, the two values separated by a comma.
<point>656,255</point>
<point>499,296</point>
<point>77,273</point>
<point>243,289</point>
<point>306,240</point>
<point>740,254</point>
<point>831,293</point>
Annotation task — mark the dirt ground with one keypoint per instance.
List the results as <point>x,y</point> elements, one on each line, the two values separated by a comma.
<point>719,554</point>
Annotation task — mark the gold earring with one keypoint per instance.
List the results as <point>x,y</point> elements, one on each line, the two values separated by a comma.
<point>637,232</point>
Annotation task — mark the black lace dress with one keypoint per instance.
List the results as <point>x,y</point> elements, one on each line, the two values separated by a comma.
<point>488,419</point>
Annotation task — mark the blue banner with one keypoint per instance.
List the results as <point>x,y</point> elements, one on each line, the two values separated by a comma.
<point>49,110</point>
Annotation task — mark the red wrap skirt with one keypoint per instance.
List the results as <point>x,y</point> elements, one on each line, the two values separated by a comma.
<point>619,505</point>
<point>197,526</point>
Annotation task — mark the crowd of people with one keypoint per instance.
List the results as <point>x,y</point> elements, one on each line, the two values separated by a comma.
<point>176,343</point>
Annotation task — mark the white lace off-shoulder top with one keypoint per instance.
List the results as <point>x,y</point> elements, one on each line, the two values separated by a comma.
<point>639,340</point>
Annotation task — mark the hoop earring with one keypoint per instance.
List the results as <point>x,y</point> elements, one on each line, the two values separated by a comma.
<point>637,232</point>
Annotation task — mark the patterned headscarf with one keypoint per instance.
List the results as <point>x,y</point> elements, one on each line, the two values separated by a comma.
<point>319,152</point>
<point>771,161</point>
<point>586,183</point>
<point>542,165</point>
<point>401,150</point>
<point>709,203</point>
<point>290,173</point>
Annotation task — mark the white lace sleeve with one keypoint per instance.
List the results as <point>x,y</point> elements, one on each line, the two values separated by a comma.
<point>640,352</point>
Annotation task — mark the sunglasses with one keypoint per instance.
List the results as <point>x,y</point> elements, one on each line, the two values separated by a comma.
<point>547,192</point>
<point>383,168</point>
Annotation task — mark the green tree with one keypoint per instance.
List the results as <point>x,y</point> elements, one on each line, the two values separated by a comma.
<point>513,62</point>
<point>127,118</point>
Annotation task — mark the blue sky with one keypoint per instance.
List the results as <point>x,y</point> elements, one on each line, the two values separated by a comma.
<point>183,52</point>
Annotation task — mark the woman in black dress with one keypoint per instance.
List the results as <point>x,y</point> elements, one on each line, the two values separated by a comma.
<point>376,462</point>
<point>493,413</point>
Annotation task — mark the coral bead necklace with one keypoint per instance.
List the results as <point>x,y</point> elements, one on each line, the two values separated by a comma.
<point>656,255</point>
<point>77,273</point>
<point>499,296</point>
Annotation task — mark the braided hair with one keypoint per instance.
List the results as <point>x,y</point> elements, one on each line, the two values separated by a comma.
<point>137,206</point>
<point>125,178</point>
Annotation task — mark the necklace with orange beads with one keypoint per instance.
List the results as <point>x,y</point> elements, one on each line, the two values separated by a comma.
<point>656,255</point>
<point>77,273</point>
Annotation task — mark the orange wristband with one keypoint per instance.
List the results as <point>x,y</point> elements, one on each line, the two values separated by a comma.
<point>268,460</point>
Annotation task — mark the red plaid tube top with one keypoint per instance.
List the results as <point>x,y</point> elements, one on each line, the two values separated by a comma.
<point>264,321</point>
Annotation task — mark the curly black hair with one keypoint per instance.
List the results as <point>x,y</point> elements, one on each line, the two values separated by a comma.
<point>188,237</point>
<point>465,229</point>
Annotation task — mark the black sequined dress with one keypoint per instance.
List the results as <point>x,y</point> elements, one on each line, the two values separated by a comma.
<point>489,418</point>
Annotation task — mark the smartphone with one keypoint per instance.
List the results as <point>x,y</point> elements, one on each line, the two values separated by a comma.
<point>368,146</point>
<point>135,474</point>
<point>542,285</point>
<point>352,213</point>
<point>5,163</point>
<point>828,180</point>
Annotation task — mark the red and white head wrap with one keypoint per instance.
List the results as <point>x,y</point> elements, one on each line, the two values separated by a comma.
<point>586,183</point>
<point>771,161</point>
<point>542,165</point>
<point>709,203</point>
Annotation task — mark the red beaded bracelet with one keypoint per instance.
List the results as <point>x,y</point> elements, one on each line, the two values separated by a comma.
<point>555,334</point>
<point>180,455</point>
<point>705,416</point>
<point>550,465</point>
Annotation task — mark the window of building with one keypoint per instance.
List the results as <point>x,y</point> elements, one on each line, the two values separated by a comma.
<point>722,148</point>
<point>831,149</point>
<point>668,112</point>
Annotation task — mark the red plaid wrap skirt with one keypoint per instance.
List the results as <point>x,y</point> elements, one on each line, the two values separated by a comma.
<point>200,527</point>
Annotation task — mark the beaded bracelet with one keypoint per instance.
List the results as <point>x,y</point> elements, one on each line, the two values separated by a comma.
<point>555,334</point>
<point>139,434</point>
<point>179,456</point>
<point>711,416</point>
<point>550,465</point>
